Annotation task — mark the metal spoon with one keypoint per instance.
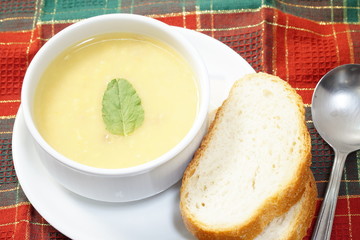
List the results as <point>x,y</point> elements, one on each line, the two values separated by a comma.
<point>336,116</point>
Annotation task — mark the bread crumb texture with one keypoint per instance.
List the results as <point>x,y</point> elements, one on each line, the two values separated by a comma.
<point>256,148</point>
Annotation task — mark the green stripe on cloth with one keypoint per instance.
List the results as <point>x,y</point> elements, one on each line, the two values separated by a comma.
<point>54,11</point>
<point>352,14</point>
<point>228,5</point>
<point>66,10</point>
<point>324,11</point>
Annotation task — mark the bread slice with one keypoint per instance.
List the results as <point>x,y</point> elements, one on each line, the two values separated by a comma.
<point>293,224</point>
<point>251,166</point>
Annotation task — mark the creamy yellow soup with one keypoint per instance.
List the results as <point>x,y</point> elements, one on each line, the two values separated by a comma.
<point>68,101</point>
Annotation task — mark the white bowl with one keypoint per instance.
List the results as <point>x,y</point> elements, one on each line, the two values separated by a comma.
<point>127,184</point>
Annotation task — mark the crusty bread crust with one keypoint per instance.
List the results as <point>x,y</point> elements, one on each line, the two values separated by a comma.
<point>296,224</point>
<point>275,205</point>
<point>304,219</point>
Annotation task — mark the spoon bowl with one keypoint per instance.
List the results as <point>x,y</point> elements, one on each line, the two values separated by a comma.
<point>336,107</point>
<point>336,115</point>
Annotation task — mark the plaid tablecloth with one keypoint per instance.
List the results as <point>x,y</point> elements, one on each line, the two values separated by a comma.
<point>297,40</point>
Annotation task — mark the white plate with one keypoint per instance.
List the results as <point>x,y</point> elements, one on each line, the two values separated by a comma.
<point>157,217</point>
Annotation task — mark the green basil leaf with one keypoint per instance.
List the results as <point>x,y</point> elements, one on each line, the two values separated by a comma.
<point>121,108</point>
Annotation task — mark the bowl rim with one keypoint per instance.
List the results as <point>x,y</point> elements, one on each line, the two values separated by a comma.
<point>203,88</point>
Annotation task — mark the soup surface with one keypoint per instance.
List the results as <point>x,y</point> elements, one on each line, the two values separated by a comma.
<point>68,102</point>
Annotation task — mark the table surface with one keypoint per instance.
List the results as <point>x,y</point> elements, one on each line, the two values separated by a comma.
<point>298,41</point>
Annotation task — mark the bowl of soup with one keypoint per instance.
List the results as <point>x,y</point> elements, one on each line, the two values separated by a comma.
<point>117,105</point>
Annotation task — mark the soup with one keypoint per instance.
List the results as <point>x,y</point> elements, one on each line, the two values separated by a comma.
<point>68,100</point>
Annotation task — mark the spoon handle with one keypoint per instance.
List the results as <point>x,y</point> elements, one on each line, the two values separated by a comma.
<point>326,216</point>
